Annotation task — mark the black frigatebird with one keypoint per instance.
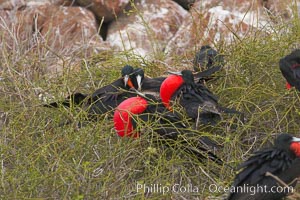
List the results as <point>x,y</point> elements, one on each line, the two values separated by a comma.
<point>167,124</point>
<point>136,80</point>
<point>258,178</point>
<point>110,96</point>
<point>290,69</point>
<point>105,98</point>
<point>206,58</point>
<point>198,101</point>
<point>152,85</point>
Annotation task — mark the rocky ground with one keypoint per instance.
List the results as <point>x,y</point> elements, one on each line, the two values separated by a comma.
<point>149,29</point>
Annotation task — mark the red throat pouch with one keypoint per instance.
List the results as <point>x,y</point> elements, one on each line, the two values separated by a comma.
<point>130,84</point>
<point>288,86</point>
<point>170,85</point>
<point>123,116</point>
<point>295,147</point>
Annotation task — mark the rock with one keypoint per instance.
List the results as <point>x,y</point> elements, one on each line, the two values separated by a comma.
<point>63,2</point>
<point>53,32</point>
<point>17,4</point>
<point>63,29</point>
<point>107,9</point>
<point>186,4</point>
<point>146,29</point>
<point>211,22</point>
<point>278,10</point>
<point>7,37</point>
<point>69,27</point>
<point>11,4</point>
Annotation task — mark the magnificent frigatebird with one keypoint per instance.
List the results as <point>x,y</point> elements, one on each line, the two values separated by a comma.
<point>104,102</point>
<point>198,101</point>
<point>265,174</point>
<point>152,85</point>
<point>132,111</point>
<point>105,98</point>
<point>290,69</point>
<point>206,58</point>
<point>108,97</point>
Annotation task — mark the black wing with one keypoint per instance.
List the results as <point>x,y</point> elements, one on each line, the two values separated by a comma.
<point>290,68</point>
<point>107,92</point>
<point>170,126</point>
<point>206,58</point>
<point>253,173</point>
<point>206,75</point>
<point>73,99</point>
<point>198,102</point>
<point>107,98</point>
<point>152,84</point>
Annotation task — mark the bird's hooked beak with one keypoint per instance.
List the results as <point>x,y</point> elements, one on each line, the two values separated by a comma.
<point>295,139</point>
<point>176,73</point>
<point>127,81</point>
<point>139,82</point>
<point>126,78</point>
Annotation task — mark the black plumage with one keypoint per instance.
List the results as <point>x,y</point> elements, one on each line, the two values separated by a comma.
<point>198,101</point>
<point>290,68</point>
<point>206,58</point>
<point>147,84</point>
<point>73,99</point>
<point>152,85</point>
<point>105,98</point>
<point>281,160</point>
<point>169,125</point>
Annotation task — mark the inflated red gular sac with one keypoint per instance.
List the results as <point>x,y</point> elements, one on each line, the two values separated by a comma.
<point>290,69</point>
<point>199,103</point>
<point>123,116</point>
<point>169,87</point>
<point>145,109</point>
<point>181,87</point>
<point>166,124</point>
<point>152,85</point>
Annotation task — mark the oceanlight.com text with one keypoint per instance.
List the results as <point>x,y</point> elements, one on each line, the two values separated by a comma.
<point>251,189</point>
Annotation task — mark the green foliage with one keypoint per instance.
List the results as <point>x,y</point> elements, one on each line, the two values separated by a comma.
<point>41,159</point>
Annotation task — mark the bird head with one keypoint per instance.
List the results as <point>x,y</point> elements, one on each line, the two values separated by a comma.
<point>137,78</point>
<point>288,143</point>
<point>188,77</point>
<point>126,72</point>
